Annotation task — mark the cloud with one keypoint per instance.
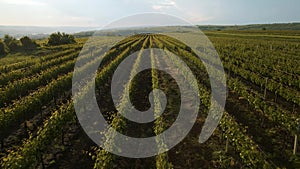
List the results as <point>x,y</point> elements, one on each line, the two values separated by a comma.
<point>67,20</point>
<point>197,18</point>
<point>23,2</point>
<point>166,4</point>
<point>187,11</point>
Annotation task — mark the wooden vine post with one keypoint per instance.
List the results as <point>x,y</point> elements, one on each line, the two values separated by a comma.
<point>294,107</point>
<point>92,51</point>
<point>295,144</point>
<point>296,140</point>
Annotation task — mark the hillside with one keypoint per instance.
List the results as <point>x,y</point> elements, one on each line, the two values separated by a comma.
<point>274,26</point>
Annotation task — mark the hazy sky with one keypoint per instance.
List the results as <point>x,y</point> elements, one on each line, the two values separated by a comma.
<point>101,12</point>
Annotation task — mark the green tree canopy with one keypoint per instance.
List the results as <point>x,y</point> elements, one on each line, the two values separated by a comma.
<point>60,39</point>
<point>11,42</point>
<point>28,44</point>
<point>3,48</point>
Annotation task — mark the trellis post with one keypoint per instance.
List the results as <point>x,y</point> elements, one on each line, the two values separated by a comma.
<point>296,140</point>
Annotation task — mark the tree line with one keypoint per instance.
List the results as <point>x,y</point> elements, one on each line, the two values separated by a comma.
<point>11,44</point>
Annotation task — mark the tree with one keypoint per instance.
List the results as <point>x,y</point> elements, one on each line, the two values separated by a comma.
<point>54,39</point>
<point>3,48</point>
<point>60,39</point>
<point>67,39</point>
<point>11,42</point>
<point>28,44</point>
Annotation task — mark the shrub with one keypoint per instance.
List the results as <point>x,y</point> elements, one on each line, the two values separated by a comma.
<point>12,43</point>
<point>28,44</point>
<point>3,48</point>
<point>60,39</point>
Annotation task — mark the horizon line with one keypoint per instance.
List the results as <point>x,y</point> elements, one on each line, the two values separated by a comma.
<point>82,26</point>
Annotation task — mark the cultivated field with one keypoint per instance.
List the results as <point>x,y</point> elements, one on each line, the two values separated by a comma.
<point>39,127</point>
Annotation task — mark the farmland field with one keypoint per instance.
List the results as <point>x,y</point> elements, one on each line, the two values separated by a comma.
<point>39,127</point>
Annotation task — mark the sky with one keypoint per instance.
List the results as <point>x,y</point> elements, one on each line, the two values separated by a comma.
<point>97,13</point>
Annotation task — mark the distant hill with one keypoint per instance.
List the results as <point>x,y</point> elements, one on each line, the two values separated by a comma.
<point>39,32</point>
<point>275,26</point>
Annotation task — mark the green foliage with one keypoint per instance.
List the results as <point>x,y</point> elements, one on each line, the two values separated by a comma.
<point>12,43</point>
<point>29,154</point>
<point>28,44</point>
<point>248,150</point>
<point>8,39</point>
<point>3,48</point>
<point>40,65</point>
<point>13,90</point>
<point>60,39</point>
<point>104,159</point>
<point>254,62</point>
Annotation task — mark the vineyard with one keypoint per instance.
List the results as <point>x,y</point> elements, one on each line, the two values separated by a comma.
<point>259,128</point>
